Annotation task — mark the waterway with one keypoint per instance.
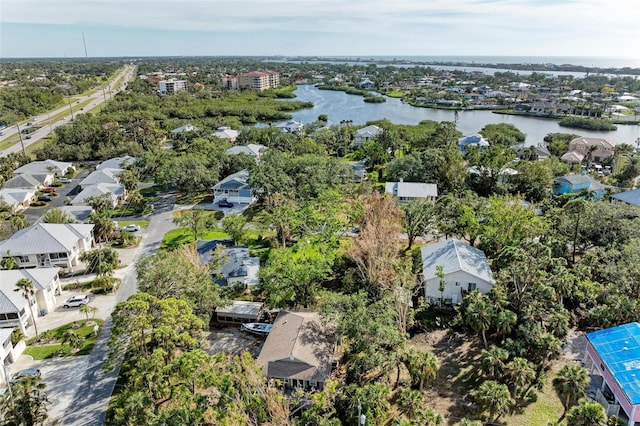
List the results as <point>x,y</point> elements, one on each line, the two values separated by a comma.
<point>339,106</point>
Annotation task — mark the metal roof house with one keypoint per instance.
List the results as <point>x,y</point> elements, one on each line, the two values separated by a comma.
<point>408,191</point>
<point>366,134</point>
<point>614,354</point>
<point>465,268</point>
<point>104,175</point>
<point>239,312</point>
<point>116,193</point>
<point>252,149</point>
<point>184,129</point>
<point>58,168</point>
<point>17,198</point>
<point>291,126</point>
<point>472,140</point>
<point>630,197</point>
<point>234,188</point>
<point>577,183</point>
<point>14,310</point>
<point>226,133</point>
<point>298,351</point>
<point>117,162</point>
<point>238,267</point>
<point>46,245</point>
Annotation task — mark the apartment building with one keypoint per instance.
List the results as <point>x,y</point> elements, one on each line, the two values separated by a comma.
<point>259,80</point>
<point>169,87</point>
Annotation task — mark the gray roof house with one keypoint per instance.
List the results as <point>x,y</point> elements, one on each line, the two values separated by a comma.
<point>115,192</point>
<point>226,133</point>
<point>238,267</point>
<point>630,197</point>
<point>78,213</point>
<point>254,150</point>
<point>298,350</point>
<point>290,126</point>
<point>117,162</point>
<point>234,188</point>
<point>17,198</point>
<point>239,311</point>
<point>408,191</point>
<point>30,180</point>
<point>465,268</point>
<point>366,134</point>
<point>539,150</point>
<point>45,245</point>
<point>184,129</point>
<point>14,311</point>
<point>58,168</point>
<point>106,175</point>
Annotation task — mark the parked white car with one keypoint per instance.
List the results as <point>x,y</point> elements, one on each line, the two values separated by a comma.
<point>131,228</point>
<point>75,301</point>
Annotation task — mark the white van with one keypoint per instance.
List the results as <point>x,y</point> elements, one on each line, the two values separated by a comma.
<point>75,301</point>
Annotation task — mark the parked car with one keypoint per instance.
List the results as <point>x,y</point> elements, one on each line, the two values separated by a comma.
<point>64,180</point>
<point>28,136</point>
<point>27,372</point>
<point>225,203</point>
<point>131,228</point>
<point>44,198</point>
<point>49,190</point>
<point>75,301</point>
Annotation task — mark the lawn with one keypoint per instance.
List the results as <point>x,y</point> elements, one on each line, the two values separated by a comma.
<point>181,236</point>
<point>140,223</point>
<point>395,94</point>
<point>547,408</point>
<point>44,351</point>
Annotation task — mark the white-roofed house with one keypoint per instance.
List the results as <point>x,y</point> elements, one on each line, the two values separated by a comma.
<point>184,129</point>
<point>253,150</point>
<point>14,309</point>
<point>409,191</point>
<point>472,140</point>
<point>106,175</point>
<point>17,199</point>
<point>79,214</point>
<point>117,162</point>
<point>46,245</point>
<point>226,133</point>
<point>234,188</point>
<point>465,269</point>
<point>366,134</point>
<point>115,192</point>
<point>58,168</point>
<point>290,126</point>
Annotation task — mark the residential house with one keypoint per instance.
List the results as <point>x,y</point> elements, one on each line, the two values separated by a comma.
<point>227,133</point>
<point>17,199</point>
<point>253,150</point>
<point>237,266</point>
<point>79,214</point>
<point>259,80</point>
<point>409,191</point>
<point>107,176</point>
<point>184,129</point>
<point>366,84</point>
<point>14,309</point>
<point>230,82</point>
<point>45,245</point>
<point>8,354</point>
<point>290,126</point>
<point>540,151</point>
<point>58,168</point>
<point>35,181</point>
<point>613,359</point>
<point>115,192</point>
<point>472,140</point>
<point>234,188</point>
<point>597,149</point>
<point>117,162</point>
<point>359,171</point>
<point>298,351</point>
<point>366,134</point>
<point>465,269</point>
<point>548,107</point>
<point>575,184</point>
<point>171,86</point>
<point>630,197</point>
<point>239,312</point>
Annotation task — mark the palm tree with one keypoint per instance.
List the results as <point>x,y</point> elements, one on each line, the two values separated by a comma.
<point>495,398</point>
<point>442,282</point>
<point>479,317</point>
<point>88,309</point>
<point>520,373</point>
<point>28,291</point>
<point>72,339</point>
<point>410,402</point>
<point>492,361</point>
<point>28,405</point>
<point>55,215</point>
<point>570,384</point>
<point>18,222</point>
<point>422,366</point>
<point>587,413</point>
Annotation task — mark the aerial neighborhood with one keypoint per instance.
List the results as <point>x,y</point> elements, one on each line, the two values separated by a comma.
<point>225,259</point>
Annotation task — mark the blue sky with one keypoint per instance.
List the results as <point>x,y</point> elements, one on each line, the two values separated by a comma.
<point>53,28</point>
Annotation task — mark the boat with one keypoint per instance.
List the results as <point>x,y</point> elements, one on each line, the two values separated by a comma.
<point>258,328</point>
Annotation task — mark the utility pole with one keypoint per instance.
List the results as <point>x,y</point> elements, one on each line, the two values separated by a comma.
<point>70,109</point>
<point>105,95</point>
<point>84,42</point>
<point>6,378</point>
<point>24,151</point>
<point>49,118</point>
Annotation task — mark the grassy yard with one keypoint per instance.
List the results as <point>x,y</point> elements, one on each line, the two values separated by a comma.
<point>55,346</point>
<point>547,408</point>
<point>140,223</point>
<point>181,236</point>
<point>395,94</point>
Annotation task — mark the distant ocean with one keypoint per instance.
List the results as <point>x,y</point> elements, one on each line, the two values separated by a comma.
<point>587,61</point>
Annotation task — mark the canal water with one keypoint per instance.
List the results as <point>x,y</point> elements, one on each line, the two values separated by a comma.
<point>340,106</point>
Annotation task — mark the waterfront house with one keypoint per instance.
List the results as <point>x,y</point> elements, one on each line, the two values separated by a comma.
<point>290,126</point>
<point>366,134</point>
<point>613,357</point>
<point>409,191</point>
<point>366,84</point>
<point>58,168</point>
<point>465,269</point>
<point>597,149</point>
<point>575,184</point>
<point>46,245</point>
<point>298,351</point>
<point>259,80</point>
<point>14,309</point>
<point>234,188</point>
<point>472,140</point>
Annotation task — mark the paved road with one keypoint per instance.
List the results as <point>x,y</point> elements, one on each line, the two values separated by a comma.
<point>42,120</point>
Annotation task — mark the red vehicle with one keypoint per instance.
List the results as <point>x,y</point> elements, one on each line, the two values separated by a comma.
<point>49,190</point>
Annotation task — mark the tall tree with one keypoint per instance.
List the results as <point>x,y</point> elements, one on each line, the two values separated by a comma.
<point>570,384</point>
<point>422,366</point>
<point>418,220</point>
<point>587,413</point>
<point>197,220</point>
<point>27,289</point>
<point>233,224</point>
<point>479,314</point>
<point>495,398</point>
<point>56,215</point>
<point>28,404</point>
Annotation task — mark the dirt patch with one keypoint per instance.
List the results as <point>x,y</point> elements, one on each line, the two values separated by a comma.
<point>457,352</point>
<point>232,341</point>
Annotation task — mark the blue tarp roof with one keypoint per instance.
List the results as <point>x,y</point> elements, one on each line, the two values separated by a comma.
<point>619,348</point>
